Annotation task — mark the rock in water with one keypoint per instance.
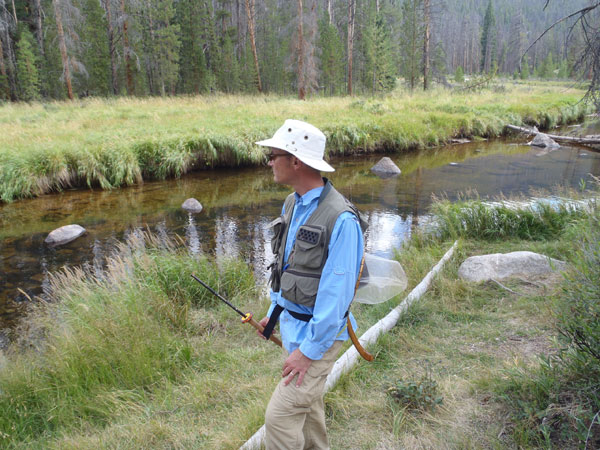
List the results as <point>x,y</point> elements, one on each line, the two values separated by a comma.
<point>504,265</point>
<point>385,168</point>
<point>543,140</point>
<point>64,235</point>
<point>192,205</point>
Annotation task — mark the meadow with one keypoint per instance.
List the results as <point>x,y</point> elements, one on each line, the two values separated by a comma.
<point>108,143</point>
<point>142,357</point>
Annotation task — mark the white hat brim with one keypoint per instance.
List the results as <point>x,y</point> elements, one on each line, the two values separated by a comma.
<point>317,164</point>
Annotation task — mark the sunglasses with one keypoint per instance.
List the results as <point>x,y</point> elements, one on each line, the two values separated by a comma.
<point>274,156</point>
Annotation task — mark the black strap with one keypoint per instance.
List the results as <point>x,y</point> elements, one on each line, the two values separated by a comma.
<point>296,315</point>
<point>272,321</point>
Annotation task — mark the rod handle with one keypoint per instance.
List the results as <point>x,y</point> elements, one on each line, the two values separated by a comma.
<point>249,319</point>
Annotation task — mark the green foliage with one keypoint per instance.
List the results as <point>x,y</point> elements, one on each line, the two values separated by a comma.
<point>525,70</point>
<point>476,219</point>
<point>546,70</point>
<point>488,39</point>
<point>421,395</point>
<point>579,309</point>
<point>193,73</point>
<point>332,66</point>
<point>459,75</point>
<point>384,75</point>
<point>27,72</point>
<point>411,48</point>
<point>94,53</point>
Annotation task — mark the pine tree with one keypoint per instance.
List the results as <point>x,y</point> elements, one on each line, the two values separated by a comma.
<point>228,73</point>
<point>410,46</point>
<point>488,39</point>
<point>193,77</point>
<point>546,70</point>
<point>525,70</point>
<point>459,75</point>
<point>332,65</point>
<point>94,55</point>
<point>385,76</point>
<point>161,46</point>
<point>27,72</point>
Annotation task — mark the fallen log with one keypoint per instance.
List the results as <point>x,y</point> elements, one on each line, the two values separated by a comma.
<point>567,139</point>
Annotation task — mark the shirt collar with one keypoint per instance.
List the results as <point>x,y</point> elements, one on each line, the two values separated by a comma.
<point>310,196</point>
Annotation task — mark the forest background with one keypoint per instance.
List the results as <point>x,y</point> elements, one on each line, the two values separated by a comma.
<point>57,49</point>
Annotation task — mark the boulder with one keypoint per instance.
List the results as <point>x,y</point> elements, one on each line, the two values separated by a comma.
<point>192,205</point>
<point>504,265</point>
<point>64,235</point>
<point>543,140</point>
<point>386,168</point>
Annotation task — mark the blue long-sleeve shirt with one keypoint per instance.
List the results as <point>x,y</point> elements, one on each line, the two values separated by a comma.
<point>336,286</point>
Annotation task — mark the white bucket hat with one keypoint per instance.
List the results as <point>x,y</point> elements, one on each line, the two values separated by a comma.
<point>304,141</point>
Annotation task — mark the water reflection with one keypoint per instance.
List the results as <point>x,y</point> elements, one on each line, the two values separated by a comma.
<point>239,204</point>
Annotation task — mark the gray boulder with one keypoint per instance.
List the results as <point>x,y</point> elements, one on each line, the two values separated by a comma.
<point>504,265</point>
<point>192,205</point>
<point>64,235</point>
<point>386,168</point>
<point>543,140</point>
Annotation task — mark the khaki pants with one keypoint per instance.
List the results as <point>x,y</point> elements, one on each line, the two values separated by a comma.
<point>295,417</point>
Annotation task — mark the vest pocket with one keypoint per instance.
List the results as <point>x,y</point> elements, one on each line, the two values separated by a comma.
<point>298,288</point>
<point>309,247</point>
<point>277,226</point>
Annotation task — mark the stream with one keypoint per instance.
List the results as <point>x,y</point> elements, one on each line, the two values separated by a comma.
<point>238,204</point>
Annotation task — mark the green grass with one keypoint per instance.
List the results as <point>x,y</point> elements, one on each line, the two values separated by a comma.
<point>116,142</point>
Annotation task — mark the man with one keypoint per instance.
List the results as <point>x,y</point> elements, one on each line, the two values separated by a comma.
<point>318,247</point>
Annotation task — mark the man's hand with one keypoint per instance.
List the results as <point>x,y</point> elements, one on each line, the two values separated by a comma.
<point>295,364</point>
<point>263,323</point>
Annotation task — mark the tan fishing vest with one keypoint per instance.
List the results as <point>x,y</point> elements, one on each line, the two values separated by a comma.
<point>299,281</point>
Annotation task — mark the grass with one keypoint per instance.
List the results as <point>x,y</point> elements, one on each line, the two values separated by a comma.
<point>46,147</point>
<point>142,357</point>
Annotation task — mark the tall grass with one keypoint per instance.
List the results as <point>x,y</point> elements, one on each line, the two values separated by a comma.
<point>104,347</point>
<point>480,220</point>
<point>117,142</point>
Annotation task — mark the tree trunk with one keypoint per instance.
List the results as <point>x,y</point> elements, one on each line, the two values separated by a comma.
<point>111,46</point>
<point>329,12</point>
<point>351,11</point>
<point>127,51</point>
<point>15,12</point>
<point>3,72</point>
<point>427,36</point>
<point>63,47</point>
<point>39,30</point>
<point>10,60</point>
<point>250,14</point>
<point>301,88</point>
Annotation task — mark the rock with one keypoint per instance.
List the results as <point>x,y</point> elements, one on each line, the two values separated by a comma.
<point>64,235</point>
<point>386,168</point>
<point>453,164</point>
<point>542,140</point>
<point>499,265</point>
<point>460,141</point>
<point>192,205</point>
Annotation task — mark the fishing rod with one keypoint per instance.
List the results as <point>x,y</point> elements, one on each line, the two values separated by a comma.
<point>246,318</point>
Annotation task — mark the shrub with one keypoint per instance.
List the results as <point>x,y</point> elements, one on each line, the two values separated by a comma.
<point>418,395</point>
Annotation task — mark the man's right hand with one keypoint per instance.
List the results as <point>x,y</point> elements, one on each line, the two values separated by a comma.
<point>263,323</point>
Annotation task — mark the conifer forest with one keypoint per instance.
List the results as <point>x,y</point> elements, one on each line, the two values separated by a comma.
<point>59,49</point>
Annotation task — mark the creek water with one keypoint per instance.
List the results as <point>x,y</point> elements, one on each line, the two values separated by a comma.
<point>238,205</point>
